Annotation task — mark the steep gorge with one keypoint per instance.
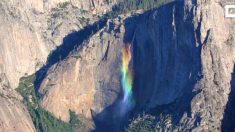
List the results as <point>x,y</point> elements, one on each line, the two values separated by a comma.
<point>183,58</point>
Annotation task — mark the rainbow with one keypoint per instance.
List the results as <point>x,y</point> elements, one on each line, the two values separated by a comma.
<point>126,78</point>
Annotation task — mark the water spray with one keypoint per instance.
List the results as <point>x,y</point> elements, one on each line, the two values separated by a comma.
<point>126,79</point>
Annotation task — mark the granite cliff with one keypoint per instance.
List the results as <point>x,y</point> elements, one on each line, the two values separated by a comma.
<point>182,54</point>
<point>183,61</point>
<point>188,57</point>
<point>30,30</point>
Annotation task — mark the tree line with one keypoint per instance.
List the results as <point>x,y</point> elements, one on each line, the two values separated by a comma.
<point>129,5</point>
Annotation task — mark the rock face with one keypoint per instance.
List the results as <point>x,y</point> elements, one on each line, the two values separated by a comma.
<point>183,59</point>
<point>21,50</point>
<point>30,30</point>
<point>217,60</point>
<point>14,115</point>
<point>87,80</point>
<point>183,55</point>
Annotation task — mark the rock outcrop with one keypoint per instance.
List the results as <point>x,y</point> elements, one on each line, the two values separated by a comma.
<point>183,59</point>
<point>21,51</point>
<point>14,115</point>
<point>87,80</point>
<point>186,49</point>
<point>30,30</point>
<point>183,52</point>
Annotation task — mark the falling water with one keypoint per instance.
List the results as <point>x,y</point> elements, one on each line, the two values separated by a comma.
<point>126,80</point>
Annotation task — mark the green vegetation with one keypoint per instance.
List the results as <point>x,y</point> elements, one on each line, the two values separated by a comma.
<point>43,120</point>
<point>144,123</point>
<point>63,4</point>
<point>129,5</point>
<point>149,123</point>
<point>74,121</point>
<point>55,14</point>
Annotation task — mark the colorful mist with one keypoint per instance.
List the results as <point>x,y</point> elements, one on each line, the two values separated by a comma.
<point>127,78</point>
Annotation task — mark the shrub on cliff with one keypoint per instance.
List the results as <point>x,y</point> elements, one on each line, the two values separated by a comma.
<point>149,123</point>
